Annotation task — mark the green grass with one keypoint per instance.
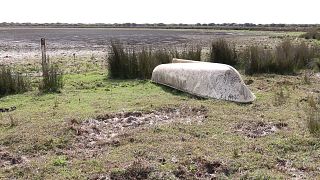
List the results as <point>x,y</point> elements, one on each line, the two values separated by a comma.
<point>42,132</point>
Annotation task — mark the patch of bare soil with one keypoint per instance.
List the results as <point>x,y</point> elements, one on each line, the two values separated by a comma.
<point>259,129</point>
<point>201,169</point>
<point>137,170</point>
<point>198,168</point>
<point>286,167</point>
<point>105,129</point>
<point>8,159</point>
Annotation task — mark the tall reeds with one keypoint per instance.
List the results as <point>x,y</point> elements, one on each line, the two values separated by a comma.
<point>12,82</point>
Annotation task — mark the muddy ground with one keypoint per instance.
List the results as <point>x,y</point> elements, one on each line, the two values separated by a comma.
<point>94,134</point>
<point>17,44</point>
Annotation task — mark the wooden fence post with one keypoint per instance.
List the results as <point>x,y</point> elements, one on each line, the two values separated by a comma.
<point>44,62</point>
<point>43,51</point>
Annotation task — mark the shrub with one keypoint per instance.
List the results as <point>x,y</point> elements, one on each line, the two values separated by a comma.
<point>12,82</point>
<point>222,52</point>
<point>52,80</point>
<point>130,64</point>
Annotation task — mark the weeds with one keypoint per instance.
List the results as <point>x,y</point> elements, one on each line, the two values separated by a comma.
<point>307,78</point>
<point>313,121</point>
<point>60,161</point>
<point>12,82</point>
<point>281,96</point>
<point>13,122</point>
<point>52,78</point>
<point>222,52</point>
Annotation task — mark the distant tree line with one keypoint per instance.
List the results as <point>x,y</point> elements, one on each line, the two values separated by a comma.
<point>231,26</point>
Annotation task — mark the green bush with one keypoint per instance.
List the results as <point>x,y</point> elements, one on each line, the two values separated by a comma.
<point>52,80</point>
<point>222,52</point>
<point>12,82</point>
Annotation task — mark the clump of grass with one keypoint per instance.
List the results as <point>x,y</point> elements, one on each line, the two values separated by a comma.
<point>60,161</point>
<point>12,82</point>
<point>286,58</point>
<point>190,53</point>
<point>127,63</point>
<point>52,80</point>
<point>121,63</point>
<point>313,121</point>
<point>223,52</point>
<point>148,59</point>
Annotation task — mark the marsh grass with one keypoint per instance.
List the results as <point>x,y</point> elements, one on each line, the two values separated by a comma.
<point>190,53</point>
<point>223,52</point>
<point>12,82</point>
<point>52,80</point>
<point>286,58</point>
<point>125,63</point>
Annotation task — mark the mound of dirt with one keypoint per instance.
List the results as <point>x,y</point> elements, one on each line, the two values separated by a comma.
<point>259,129</point>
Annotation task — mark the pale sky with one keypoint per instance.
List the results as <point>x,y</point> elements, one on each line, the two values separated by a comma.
<point>161,11</point>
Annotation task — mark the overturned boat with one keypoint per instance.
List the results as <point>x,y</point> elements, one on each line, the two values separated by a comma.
<point>204,79</point>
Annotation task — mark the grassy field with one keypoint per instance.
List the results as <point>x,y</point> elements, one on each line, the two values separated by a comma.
<point>232,142</point>
<point>56,136</point>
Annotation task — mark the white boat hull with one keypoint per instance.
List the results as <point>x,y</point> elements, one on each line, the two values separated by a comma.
<point>204,79</point>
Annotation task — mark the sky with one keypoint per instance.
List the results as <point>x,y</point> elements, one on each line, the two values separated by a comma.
<point>161,11</point>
